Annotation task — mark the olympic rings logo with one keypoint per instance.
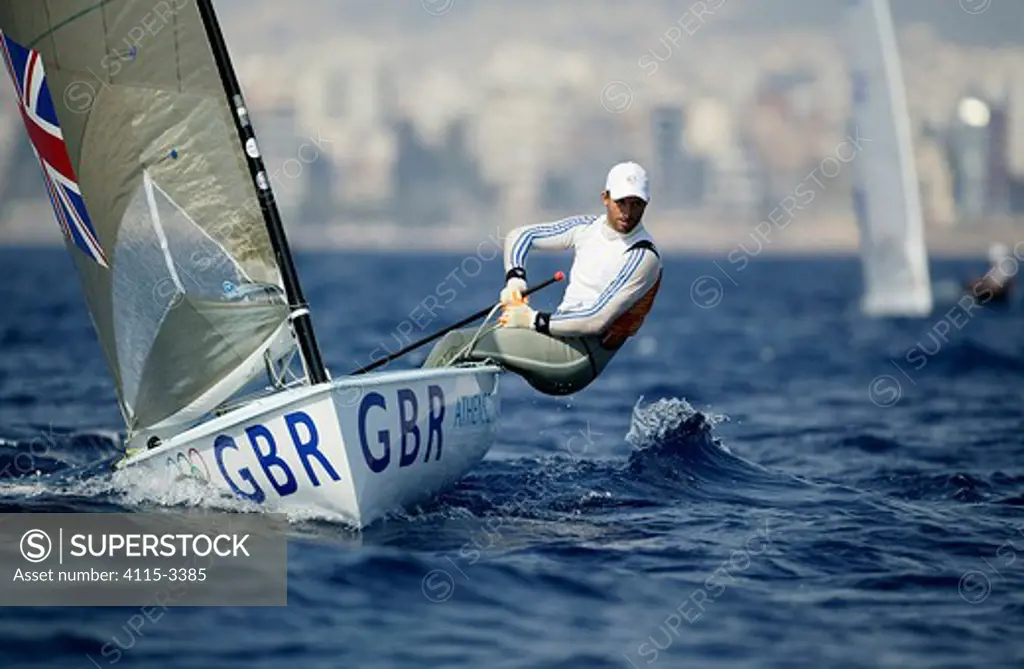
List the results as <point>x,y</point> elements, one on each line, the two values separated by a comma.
<point>190,466</point>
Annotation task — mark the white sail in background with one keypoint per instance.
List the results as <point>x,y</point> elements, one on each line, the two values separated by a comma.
<point>886,196</point>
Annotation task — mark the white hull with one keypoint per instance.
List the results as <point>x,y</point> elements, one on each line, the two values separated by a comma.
<point>358,447</point>
<point>886,195</point>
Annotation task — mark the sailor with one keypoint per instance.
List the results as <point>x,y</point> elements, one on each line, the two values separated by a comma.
<point>995,285</point>
<point>615,276</point>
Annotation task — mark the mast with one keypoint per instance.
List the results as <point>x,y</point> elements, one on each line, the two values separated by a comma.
<point>247,136</point>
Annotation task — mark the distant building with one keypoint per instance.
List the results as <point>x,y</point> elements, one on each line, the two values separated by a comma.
<point>970,146</point>
<point>997,166</point>
<point>283,154</point>
<point>936,179</point>
<point>438,184</point>
<point>350,108</point>
<point>317,203</point>
<point>679,176</point>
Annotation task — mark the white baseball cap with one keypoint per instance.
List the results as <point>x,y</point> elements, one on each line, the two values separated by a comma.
<point>628,179</point>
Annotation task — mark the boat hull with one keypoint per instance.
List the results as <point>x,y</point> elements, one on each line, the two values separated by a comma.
<point>358,447</point>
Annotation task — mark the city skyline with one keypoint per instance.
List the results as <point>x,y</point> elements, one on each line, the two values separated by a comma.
<point>529,125</point>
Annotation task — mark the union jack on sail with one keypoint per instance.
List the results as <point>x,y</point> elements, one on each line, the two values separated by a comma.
<point>40,115</point>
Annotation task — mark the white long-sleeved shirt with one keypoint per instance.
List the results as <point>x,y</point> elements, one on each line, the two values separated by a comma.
<point>606,278</point>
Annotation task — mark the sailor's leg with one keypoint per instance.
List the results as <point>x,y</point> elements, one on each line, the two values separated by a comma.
<point>453,347</point>
<point>552,365</point>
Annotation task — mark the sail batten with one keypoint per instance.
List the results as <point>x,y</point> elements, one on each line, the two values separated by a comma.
<point>153,191</point>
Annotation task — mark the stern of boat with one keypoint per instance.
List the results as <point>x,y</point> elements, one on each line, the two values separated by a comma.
<point>412,434</point>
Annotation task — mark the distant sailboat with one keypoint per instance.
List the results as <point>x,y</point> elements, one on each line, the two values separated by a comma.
<point>886,197</point>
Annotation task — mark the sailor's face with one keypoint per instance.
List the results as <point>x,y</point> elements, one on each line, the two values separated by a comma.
<point>625,214</point>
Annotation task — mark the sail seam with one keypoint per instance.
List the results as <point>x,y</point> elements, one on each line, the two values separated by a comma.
<point>49,22</point>
<point>177,53</point>
<point>65,22</point>
<point>106,36</point>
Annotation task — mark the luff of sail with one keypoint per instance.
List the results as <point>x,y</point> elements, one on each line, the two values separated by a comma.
<point>886,196</point>
<point>124,106</point>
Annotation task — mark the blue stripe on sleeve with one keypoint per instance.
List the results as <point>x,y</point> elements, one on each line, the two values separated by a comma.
<point>522,246</point>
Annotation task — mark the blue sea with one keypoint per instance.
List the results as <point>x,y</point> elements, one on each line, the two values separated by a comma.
<point>762,478</point>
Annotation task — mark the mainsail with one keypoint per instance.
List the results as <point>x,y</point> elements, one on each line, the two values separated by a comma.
<point>886,196</point>
<point>129,108</point>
